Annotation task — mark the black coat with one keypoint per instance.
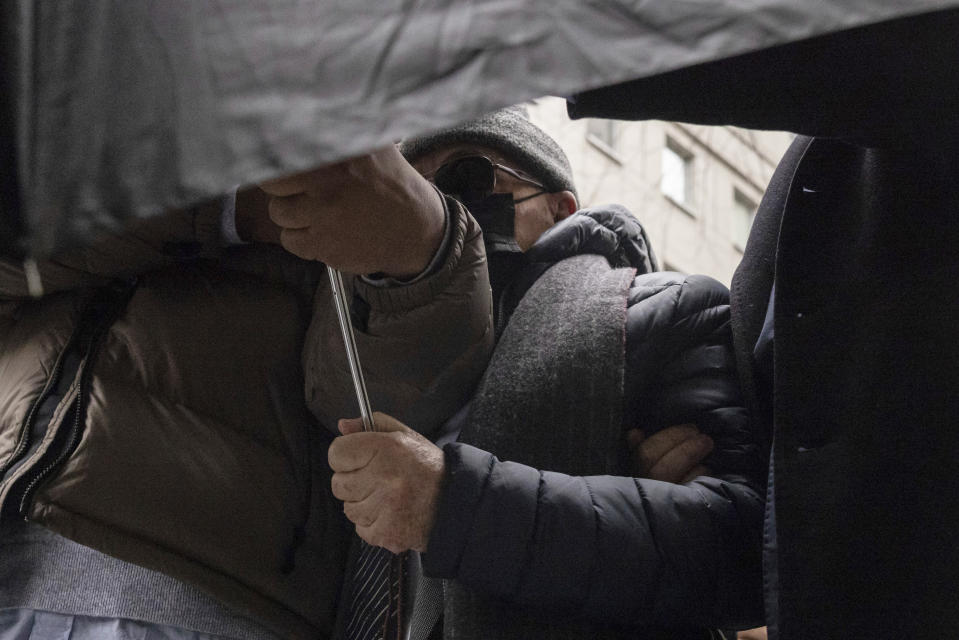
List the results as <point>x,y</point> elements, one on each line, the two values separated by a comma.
<point>859,231</point>
<point>619,550</point>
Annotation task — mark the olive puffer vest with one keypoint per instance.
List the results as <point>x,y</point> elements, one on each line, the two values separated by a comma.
<point>152,403</point>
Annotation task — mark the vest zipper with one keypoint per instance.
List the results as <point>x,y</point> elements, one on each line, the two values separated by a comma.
<point>27,426</point>
<point>73,439</point>
<point>100,314</point>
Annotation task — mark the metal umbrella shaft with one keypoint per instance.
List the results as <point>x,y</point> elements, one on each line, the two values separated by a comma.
<point>398,625</point>
<point>349,341</point>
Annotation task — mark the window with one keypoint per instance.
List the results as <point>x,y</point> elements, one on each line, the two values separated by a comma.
<point>744,211</point>
<point>604,135</point>
<point>677,180</point>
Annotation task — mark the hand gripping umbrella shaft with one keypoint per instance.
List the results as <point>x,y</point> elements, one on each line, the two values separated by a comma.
<point>349,341</point>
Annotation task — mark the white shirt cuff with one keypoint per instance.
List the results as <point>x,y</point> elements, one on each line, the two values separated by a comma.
<point>228,232</point>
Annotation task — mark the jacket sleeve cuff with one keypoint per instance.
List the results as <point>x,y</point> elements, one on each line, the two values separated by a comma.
<point>208,223</point>
<point>467,471</point>
<point>392,296</point>
<point>488,521</point>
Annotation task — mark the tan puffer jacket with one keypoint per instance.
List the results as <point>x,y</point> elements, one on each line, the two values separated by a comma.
<point>180,439</point>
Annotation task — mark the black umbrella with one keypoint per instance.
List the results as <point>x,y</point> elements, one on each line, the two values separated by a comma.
<point>114,109</point>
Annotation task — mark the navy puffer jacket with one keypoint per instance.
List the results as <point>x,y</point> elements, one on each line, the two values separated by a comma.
<point>624,551</point>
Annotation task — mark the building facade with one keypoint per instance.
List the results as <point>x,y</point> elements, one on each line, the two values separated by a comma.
<point>695,188</point>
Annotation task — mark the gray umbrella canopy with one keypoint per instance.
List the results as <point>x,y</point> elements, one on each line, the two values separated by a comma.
<point>111,109</point>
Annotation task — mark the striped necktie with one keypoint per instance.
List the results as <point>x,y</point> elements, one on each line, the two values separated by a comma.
<point>376,596</point>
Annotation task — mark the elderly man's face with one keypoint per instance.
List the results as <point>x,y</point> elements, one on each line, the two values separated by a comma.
<point>533,216</point>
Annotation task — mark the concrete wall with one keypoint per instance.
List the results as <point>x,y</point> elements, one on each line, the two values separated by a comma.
<point>727,169</point>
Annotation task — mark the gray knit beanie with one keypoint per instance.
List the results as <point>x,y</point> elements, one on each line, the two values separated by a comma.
<point>510,132</point>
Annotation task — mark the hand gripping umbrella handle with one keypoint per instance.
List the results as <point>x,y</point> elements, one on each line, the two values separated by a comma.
<point>349,341</point>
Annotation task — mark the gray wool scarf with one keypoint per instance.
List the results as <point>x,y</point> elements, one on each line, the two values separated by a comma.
<point>551,398</point>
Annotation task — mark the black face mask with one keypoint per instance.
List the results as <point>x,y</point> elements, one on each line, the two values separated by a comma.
<point>496,215</point>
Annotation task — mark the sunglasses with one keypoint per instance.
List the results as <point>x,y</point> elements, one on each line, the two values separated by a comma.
<point>474,177</point>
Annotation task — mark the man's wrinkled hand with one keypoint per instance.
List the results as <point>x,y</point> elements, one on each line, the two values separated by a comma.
<point>370,214</point>
<point>389,481</point>
<point>674,454</point>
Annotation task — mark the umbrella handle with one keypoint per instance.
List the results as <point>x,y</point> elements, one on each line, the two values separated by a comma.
<point>349,341</point>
